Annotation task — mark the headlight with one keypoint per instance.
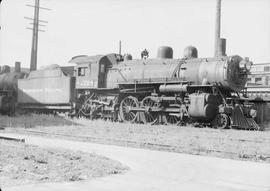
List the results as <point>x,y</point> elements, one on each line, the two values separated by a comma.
<point>248,66</point>
<point>245,64</point>
<point>242,64</point>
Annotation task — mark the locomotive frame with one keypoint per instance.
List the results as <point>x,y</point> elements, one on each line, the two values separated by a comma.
<point>161,100</point>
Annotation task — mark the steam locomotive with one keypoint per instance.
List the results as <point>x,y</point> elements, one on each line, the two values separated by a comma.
<point>159,90</point>
<point>8,88</point>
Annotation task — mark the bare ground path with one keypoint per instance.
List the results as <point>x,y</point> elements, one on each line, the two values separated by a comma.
<point>155,170</point>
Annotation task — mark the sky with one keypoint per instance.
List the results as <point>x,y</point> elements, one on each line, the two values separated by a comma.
<point>90,27</point>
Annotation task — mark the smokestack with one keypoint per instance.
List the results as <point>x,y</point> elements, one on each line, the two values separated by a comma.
<point>217,30</point>
<point>17,67</point>
<point>120,47</point>
<point>221,49</point>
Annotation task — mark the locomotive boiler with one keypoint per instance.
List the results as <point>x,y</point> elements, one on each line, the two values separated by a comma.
<point>164,89</point>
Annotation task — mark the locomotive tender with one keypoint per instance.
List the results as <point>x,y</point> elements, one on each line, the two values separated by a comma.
<point>160,90</point>
<point>51,88</point>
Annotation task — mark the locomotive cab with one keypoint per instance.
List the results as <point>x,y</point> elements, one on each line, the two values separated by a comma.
<point>86,71</point>
<point>91,71</point>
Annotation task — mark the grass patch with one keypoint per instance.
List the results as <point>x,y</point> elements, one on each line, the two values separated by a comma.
<point>237,144</point>
<point>32,120</point>
<point>231,143</point>
<point>26,164</point>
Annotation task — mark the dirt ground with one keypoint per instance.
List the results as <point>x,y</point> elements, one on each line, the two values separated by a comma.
<point>25,164</point>
<point>229,143</point>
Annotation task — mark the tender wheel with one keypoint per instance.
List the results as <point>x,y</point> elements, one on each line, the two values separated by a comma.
<point>221,121</point>
<point>126,105</point>
<point>149,116</point>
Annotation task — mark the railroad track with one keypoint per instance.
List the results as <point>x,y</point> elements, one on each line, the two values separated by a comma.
<point>91,138</point>
<point>150,145</point>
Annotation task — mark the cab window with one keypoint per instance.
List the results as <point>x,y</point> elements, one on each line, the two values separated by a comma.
<point>102,68</point>
<point>82,71</point>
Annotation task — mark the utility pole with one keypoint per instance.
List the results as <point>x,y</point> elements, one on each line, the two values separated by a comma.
<point>0,32</point>
<point>217,30</point>
<point>35,30</point>
<point>33,62</point>
<point>0,13</point>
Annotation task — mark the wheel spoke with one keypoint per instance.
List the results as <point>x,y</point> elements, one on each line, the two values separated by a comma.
<point>150,116</point>
<point>170,119</point>
<point>130,114</point>
<point>125,106</point>
<point>221,121</point>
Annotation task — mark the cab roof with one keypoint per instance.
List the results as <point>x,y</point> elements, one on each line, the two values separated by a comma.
<point>81,59</point>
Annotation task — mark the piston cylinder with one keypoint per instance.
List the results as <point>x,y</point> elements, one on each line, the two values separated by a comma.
<point>203,105</point>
